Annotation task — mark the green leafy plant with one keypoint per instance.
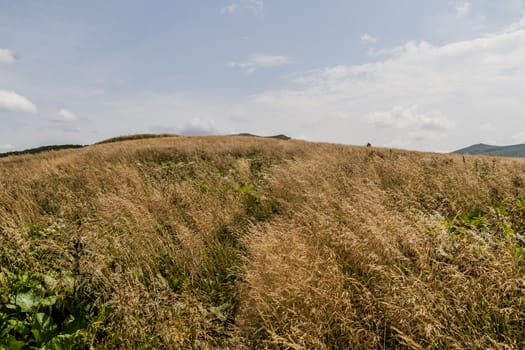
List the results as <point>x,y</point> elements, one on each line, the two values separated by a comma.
<point>475,219</point>
<point>33,316</point>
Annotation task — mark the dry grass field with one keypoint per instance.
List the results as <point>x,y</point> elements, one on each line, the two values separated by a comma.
<point>252,243</point>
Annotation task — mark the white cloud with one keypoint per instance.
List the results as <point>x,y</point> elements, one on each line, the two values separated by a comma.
<point>486,126</point>
<point>64,115</point>
<point>253,7</point>
<point>467,81</point>
<point>419,125</point>
<point>259,61</point>
<point>520,136</point>
<point>12,102</point>
<point>367,38</point>
<point>7,56</point>
<point>6,147</point>
<point>197,126</point>
<point>409,46</point>
<point>165,113</point>
<point>516,26</point>
<point>230,9</point>
<point>462,8</point>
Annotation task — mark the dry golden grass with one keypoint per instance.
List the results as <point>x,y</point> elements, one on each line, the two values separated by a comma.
<point>236,242</point>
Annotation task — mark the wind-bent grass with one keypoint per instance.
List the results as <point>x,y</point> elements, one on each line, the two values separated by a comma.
<point>235,242</point>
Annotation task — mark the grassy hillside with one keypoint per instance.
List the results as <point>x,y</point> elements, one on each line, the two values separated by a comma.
<point>237,242</point>
<point>504,151</point>
<point>39,150</point>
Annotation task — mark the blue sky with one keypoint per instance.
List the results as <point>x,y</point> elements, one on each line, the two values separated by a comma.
<point>424,75</point>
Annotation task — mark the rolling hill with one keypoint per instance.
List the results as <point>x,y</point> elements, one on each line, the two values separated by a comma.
<point>237,242</point>
<point>118,139</point>
<point>503,151</point>
<point>39,150</point>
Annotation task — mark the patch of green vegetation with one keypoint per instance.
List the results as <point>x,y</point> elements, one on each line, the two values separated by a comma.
<point>42,313</point>
<point>507,228</point>
<point>256,205</point>
<point>204,188</point>
<point>508,216</point>
<point>38,232</point>
<point>221,172</point>
<point>519,253</point>
<point>171,273</point>
<point>501,210</point>
<point>512,214</point>
<point>471,227</point>
<point>244,189</point>
<point>475,219</point>
<point>521,202</point>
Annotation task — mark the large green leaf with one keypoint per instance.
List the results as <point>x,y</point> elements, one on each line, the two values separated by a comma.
<point>62,342</point>
<point>10,343</point>
<point>27,301</point>
<point>44,327</point>
<point>73,323</point>
<point>49,301</point>
<point>19,326</point>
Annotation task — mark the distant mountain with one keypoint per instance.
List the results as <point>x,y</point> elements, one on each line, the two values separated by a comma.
<point>503,151</point>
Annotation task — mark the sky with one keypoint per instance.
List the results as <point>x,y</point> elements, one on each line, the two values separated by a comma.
<point>421,75</point>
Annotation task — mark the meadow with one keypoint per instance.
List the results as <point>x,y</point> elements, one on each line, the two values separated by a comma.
<point>228,242</point>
